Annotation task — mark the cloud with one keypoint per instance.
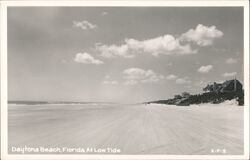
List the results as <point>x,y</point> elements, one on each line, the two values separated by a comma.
<point>87,59</point>
<point>231,61</point>
<point>184,80</point>
<point>163,45</point>
<point>205,69</point>
<point>104,13</point>
<point>137,75</point>
<point>171,77</point>
<point>229,74</point>
<point>110,82</point>
<point>202,35</point>
<point>114,51</point>
<point>166,45</point>
<point>84,25</point>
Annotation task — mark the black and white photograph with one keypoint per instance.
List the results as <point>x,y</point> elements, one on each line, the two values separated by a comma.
<point>126,81</point>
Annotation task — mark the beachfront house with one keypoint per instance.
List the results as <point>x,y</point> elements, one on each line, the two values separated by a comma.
<point>227,86</point>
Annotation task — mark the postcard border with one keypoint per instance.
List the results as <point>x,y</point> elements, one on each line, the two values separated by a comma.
<point>4,81</point>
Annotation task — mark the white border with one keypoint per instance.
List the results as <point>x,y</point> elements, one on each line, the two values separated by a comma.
<point>4,85</point>
<point>246,80</point>
<point>137,3</point>
<point>4,122</point>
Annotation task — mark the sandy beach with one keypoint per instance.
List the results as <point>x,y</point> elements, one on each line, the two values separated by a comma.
<point>132,129</point>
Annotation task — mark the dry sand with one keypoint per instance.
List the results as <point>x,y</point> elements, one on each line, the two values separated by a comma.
<point>134,129</point>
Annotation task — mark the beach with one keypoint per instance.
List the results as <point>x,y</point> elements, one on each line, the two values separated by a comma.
<point>128,129</point>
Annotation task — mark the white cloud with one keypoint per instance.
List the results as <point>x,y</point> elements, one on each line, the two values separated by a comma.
<point>84,25</point>
<point>104,13</point>
<point>166,45</point>
<point>231,61</point>
<point>163,45</point>
<point>86,58</point>
<point>171,77</point>
<point>137,75</point>
<point>229,74</point>
<point>114,51</point>
<point>110,82</point>
<point>184,80</point>
<point>205,69</point>
<point>202,35</point>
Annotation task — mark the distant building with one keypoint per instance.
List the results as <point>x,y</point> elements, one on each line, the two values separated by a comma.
<point>227,86</point>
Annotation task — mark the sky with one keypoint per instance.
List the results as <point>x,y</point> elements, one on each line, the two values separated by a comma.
<point>121,54</point>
